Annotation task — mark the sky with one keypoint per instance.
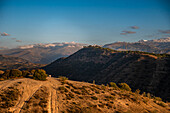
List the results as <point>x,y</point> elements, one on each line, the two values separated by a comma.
<point>24,22</point>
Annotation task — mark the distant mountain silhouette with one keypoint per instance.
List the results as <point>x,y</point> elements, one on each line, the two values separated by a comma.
<point>47,53</point>
<point>146,71</point>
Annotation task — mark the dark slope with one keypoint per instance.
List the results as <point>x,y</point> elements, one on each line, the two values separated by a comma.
<point>140,70</point>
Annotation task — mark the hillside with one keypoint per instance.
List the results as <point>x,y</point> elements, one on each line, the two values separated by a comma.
<point>142,71</point>
<point>58,96</point>
<point>8,62</point>
<point>43,53</point>
<point>158,46</point>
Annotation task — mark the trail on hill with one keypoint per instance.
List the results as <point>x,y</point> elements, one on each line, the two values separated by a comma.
<point>53,96</point>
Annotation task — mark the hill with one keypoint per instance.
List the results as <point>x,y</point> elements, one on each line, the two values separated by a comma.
<point>158,46</point>
<point>58,96</point>
<point>145,71</point>
<point>43,53</point>
<point>8,62</point>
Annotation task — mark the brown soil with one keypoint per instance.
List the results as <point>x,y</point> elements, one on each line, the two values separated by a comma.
<point>56,96</point>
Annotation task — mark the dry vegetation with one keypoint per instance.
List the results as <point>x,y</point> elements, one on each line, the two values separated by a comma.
<point>38,102</point>
<point>59,95</point>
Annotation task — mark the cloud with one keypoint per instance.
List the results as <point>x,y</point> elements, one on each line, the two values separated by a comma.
<point>18,40</point>
<point>127,32</point>
<point>164,31</point>
<point>123,33</point>
<point>134,27</point>
<point>5,34</point>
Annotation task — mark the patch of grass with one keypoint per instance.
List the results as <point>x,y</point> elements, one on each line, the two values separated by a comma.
<point>69,96</point>
<point>109,97</point>
<point>161,104</point>
<point>9,97</point>
<point>94,98</point>
<point>124,86</point>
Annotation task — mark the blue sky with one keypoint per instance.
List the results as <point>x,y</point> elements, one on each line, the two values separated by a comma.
<point>83,21</point>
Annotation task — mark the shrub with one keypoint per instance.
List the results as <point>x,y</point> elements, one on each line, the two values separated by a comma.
<point>15,73</point>
<point>6,74</point>
<point>25,73</point>
<point>124,86</point>
<point>40,74</point>
<point>161,104</point>
<point>62,78</point>
<point>137,91</point>
<point>93,81</point>
<point>157,98</point>
<point>148,95</point>
<point>144,94</point>
<point>112,84</point>
<point>32,71</point>
<point>94,97</point>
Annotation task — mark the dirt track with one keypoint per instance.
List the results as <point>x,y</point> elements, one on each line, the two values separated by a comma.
<point>29,87</point>
<point>54,96</point>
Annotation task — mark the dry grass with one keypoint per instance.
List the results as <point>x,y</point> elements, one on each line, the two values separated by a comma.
<point>78,97</point>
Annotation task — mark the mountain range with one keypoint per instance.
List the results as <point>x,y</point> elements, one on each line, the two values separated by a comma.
<point>8,62</point>
<point>43,53</point>
<point>158,46</point>
<point>47,53</point>
<point>145,71</point>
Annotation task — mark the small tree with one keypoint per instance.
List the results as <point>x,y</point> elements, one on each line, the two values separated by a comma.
<point>15,73</point>
<point>40,74</point>
<point>124,86</point>
<point>25,73</point>
<point>112,84</point>
<point>137,91</point>
<point>5,75</point>
<point>32,71</point>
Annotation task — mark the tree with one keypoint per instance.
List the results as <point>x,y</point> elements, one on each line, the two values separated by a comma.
<point>15,73</point>
<point>112,84</point>
<point>40,74</point>
<point>25,73</point>
<point>5,75</point>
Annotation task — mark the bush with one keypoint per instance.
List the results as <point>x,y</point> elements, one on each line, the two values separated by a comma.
<point>94,97</point>
<point>112,84</point>
<point>62,78</point>
<point>5,75</point>
<point>15,73</point>
<point>157,98</point>
<point>137,91</point>
<point>124,86</point>
<point>40,74</point>
<point>32,71</point>
<point>25,73</point>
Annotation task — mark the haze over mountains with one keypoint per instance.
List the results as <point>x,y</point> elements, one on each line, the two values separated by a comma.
<point>158,46</point>
<point>46,53</point>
